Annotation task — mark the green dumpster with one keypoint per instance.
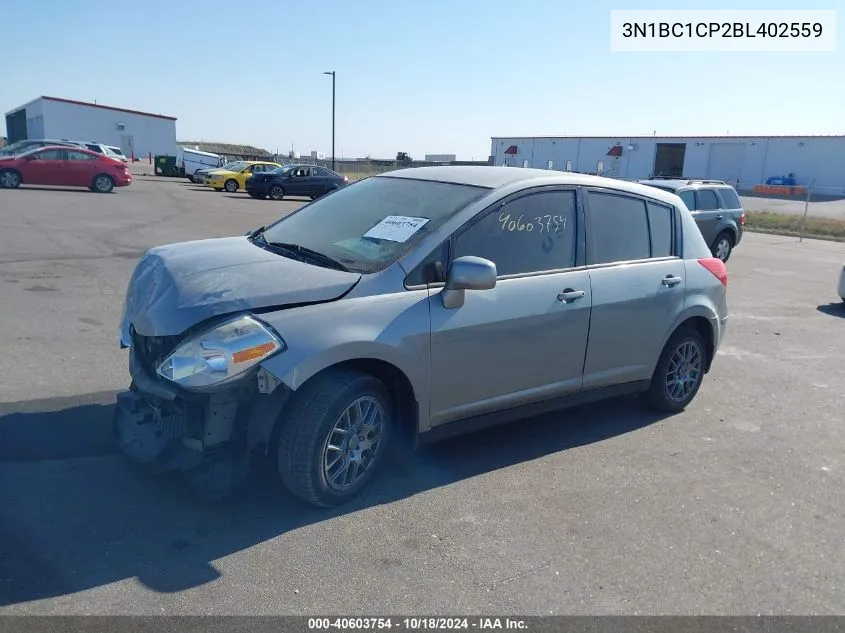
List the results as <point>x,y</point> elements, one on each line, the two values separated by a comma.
<point>166,166</point>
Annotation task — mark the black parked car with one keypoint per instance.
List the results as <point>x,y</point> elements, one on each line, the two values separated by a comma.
<point>295,180</point>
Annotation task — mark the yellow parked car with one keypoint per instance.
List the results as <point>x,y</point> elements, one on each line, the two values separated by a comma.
<point>236,175</point>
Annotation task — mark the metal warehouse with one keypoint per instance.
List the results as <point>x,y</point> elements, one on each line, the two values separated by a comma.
<point>132,131</point>
<point>744,161</point>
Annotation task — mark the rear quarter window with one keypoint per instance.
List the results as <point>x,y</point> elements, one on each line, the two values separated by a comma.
<point>729,199</point>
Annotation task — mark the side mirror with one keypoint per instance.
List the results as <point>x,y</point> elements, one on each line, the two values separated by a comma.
<point>467,273</point>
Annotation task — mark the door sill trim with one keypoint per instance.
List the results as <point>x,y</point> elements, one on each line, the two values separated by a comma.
<point>487,420</point>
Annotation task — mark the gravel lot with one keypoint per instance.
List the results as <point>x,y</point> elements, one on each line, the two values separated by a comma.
<point>736,506</point>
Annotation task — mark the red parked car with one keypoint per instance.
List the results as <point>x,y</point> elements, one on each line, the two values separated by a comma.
<point>64,167</point>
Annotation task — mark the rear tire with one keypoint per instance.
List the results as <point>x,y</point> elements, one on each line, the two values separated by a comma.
<point>723,246</point>
<point>679,372</point>
<point>276,193</point>
<point>102,184</point>
<point>10,179</point>
<point>231,185</point>
<point>313,457</point>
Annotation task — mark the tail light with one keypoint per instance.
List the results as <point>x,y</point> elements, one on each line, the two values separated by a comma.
<point>717,267</point>
<point>742,219</point>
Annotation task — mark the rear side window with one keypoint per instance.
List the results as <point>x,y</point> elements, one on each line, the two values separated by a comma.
<point>533,233</point>
<point>660,228</point>
<point>688,197</point>
<point>707,200</point>
<point>619,228</point>
<point>729,199</point>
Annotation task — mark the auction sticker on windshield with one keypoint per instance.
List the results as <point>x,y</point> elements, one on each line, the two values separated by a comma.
<point>396,228</point>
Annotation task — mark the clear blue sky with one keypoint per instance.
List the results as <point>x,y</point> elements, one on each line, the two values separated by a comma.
<point>423,76</point>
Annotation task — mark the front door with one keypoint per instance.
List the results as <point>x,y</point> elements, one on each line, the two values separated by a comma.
<point>127,145</point>
<point>299,182</point>
<point>638,285</point>
<point>45,168</point>
<point>523,341</point>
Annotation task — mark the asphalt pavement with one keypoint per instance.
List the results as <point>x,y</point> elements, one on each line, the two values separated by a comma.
<point>736,506</point>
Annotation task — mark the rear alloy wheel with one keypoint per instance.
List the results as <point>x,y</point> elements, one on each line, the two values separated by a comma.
<point>231,185</point>
<point>10,179</point>
<point>723,246</point>
<point>276,192</point>
<point>103,184</point>
<point>679,371</point>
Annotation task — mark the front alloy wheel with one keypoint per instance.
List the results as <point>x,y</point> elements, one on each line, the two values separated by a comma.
<point>276,192</point>
<point>333,436</point>
<point>10,179</point>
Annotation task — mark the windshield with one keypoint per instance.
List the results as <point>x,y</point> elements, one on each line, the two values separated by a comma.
<point>370,224</point>
<point>16,148</point>
<point>236,166</point>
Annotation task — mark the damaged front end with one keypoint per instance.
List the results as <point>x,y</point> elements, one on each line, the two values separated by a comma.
<point>201,403</point>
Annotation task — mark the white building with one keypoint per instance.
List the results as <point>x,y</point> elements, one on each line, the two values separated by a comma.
<point>50,117</point>
<point>744,161</point>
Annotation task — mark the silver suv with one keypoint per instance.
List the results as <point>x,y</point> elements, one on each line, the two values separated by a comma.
<point>433,301</point>
<point>716,208</point>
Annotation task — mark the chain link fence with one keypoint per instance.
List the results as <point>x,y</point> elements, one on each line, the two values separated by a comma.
<point>364,168</point>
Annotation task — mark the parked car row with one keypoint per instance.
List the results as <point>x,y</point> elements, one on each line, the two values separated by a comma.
<point>262,179</point>
<point>65,165</point>
<point>20,147</point>
<point>716,208</point>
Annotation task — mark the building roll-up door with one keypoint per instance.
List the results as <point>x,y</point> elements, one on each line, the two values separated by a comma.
<point>16,126</point>
<point>725,162</point>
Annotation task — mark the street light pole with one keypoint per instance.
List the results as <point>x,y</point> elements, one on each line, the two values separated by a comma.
<point>332,73</point>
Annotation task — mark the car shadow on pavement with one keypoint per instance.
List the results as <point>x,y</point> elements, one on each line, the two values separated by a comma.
<point>69,525</point>
<point>833,309</point>
<point>24,187</point>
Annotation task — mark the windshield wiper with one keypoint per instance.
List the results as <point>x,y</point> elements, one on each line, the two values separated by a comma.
<point>306,253</point>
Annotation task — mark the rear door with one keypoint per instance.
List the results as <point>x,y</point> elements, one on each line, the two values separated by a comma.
<point>319,181</point>
<point>707,214</point>
<point>80,168</point>
<point>637,281</point>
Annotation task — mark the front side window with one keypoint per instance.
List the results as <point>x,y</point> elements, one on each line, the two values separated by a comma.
<point>52,154</point>
<point>707,200</point>
<point>619,227</point>
<point>74,155</point>
<point>533,233</point>
<point>370,224</point>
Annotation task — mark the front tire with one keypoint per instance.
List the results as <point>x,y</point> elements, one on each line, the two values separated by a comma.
<point>723,246</point>
<point>103,184</point>
<point>276,193</point>
<point>231,185</point>
<point>333,437</point>
<point>10,179</point>
<point>679,372</point>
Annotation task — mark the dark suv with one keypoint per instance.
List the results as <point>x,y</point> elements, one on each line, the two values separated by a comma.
<point>716,208</point>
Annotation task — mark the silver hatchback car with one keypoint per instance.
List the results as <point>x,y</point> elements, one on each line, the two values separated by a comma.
<point>431,301</point>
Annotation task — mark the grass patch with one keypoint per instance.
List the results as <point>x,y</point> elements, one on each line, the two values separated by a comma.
<point>789,224</point>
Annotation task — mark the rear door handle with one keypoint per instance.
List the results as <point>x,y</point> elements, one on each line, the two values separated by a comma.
<point>719,217</point>
<point>671,280</point>
<point>569,295</point>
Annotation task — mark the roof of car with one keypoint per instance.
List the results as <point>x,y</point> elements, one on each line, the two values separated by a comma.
<point>675,184</point>
<point>494,177</point>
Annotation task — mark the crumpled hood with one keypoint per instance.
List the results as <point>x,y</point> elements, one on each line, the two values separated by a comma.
<point>177,286</point>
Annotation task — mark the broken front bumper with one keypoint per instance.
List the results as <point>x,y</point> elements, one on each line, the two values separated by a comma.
<point>170,428</point>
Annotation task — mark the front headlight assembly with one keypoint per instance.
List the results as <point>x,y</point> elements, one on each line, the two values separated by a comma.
<point>220,354</point>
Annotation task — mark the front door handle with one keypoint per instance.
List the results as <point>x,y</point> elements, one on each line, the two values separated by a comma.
<point>569,295</point>
<point>671,280</point>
